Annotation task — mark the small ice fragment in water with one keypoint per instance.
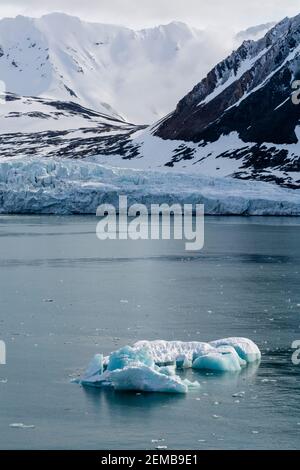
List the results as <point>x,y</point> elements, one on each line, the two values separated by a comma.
<point>3,381</point>
<point>123,301</point>
<point>21,426</point>
<point>161,447</point>
<point>238,395</point>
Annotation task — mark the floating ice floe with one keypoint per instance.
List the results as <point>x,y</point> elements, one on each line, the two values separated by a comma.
<point>150,366</point>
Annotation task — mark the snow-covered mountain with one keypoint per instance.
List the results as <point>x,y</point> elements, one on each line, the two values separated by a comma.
<point>253,33</point>
<point>139,75</point>
<point>240,119</point>
<point>41,127</point>
<point>239,122</point>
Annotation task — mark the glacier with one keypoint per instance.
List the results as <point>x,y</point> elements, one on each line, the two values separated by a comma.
<point>150,366</point>
<point>63,186</point>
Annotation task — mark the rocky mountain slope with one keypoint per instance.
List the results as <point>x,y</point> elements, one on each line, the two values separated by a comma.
<point>239,121</point>
<point>245,101</point>
<point>45,128</point>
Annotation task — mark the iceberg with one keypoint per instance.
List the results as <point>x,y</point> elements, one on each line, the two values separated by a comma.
<point>150,366</point>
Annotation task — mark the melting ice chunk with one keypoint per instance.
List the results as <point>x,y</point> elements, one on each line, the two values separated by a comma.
<point>150,366</point>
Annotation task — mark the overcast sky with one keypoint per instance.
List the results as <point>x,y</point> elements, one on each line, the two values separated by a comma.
<point>205,14</point>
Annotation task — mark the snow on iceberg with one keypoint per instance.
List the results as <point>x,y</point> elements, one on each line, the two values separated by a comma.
<point>149,366</point>
<point>174,351</point>
<point>134,369</point>
<point>63,186</point>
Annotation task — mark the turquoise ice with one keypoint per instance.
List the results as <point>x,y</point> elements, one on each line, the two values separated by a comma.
<point>150,366</point>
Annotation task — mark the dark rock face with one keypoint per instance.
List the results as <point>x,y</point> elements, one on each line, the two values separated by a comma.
<point>249,92</point>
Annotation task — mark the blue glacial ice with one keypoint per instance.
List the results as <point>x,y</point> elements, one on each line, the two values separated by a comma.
<point>39,185</point>
<point>245,348</point>
<point>150,366</point>
<point>223,359</point>
<point>128,355</point>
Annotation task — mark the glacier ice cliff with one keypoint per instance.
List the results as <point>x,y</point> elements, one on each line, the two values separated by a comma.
<point>150,366</point>
<point>62,186</point>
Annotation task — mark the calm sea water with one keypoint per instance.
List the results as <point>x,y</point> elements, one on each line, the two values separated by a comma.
<point>65,296</point>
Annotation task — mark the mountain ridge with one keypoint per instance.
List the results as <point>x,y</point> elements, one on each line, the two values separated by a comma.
<point>239,121</point>
<point>249,94</point>
<point>109,68</point>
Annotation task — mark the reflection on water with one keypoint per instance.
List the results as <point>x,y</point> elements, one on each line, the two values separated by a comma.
<point>244,283</point>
